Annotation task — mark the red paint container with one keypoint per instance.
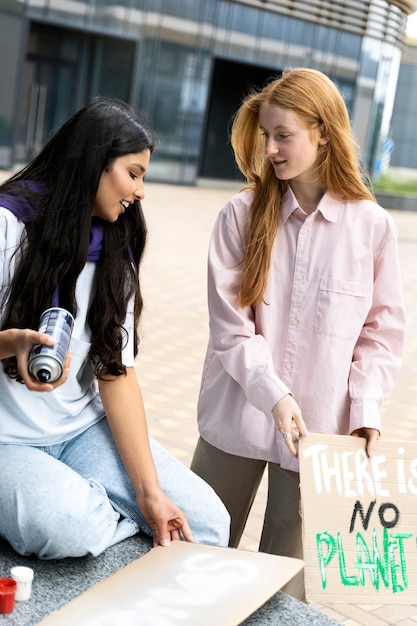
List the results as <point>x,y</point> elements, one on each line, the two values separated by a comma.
<point>7,594</point>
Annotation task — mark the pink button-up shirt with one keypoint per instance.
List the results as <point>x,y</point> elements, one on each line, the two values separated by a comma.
<point>330,330</point>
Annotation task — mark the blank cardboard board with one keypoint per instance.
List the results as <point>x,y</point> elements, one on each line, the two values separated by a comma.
<point>184,584</point>
<point>359,520</point>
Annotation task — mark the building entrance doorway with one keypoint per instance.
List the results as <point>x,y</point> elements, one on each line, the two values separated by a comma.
<point>65,69</point>
<point>230,82</point>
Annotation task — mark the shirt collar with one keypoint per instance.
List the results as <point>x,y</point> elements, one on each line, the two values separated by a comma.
<point>328,206</point>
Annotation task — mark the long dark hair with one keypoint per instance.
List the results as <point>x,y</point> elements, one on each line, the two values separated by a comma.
<point>55,244</point>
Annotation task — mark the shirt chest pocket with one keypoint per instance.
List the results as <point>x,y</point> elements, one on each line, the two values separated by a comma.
<point>342,307</point>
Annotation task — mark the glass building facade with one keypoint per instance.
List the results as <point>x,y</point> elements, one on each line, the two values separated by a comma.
<point>188,63</point>
<point>403,133</point>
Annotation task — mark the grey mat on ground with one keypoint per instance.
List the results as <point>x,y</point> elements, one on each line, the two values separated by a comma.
<point>57,582</point>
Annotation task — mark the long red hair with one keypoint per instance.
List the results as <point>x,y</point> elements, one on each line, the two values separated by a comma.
<point>316,100</point>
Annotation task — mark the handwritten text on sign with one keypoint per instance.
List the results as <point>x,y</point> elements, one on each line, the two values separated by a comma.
<point>359,519</point>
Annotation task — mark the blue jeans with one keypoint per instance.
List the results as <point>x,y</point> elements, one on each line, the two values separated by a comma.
<point>75,498</point>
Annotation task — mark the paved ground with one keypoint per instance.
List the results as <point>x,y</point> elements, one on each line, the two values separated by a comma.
<point>174,334</point>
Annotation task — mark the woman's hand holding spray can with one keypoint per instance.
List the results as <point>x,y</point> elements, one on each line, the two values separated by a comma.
<point>46,363</point>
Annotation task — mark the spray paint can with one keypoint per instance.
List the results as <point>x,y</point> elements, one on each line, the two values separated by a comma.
<point>46,363</point>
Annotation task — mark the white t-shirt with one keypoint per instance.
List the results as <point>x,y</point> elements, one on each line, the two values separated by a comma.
<point>28,417</point>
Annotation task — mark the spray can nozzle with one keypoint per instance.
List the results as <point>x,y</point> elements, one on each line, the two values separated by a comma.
<point>43,375</point>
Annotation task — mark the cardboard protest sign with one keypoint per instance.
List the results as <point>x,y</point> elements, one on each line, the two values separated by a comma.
<point>183,584</point>
<point>359,520</point>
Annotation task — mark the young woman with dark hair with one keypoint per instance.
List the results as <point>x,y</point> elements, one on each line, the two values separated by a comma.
<point>79,472</point>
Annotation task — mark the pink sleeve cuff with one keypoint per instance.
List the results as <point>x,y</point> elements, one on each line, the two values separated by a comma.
<point>364,414</point>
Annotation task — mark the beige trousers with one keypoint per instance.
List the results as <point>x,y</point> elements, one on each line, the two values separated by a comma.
<point>236,481</point>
